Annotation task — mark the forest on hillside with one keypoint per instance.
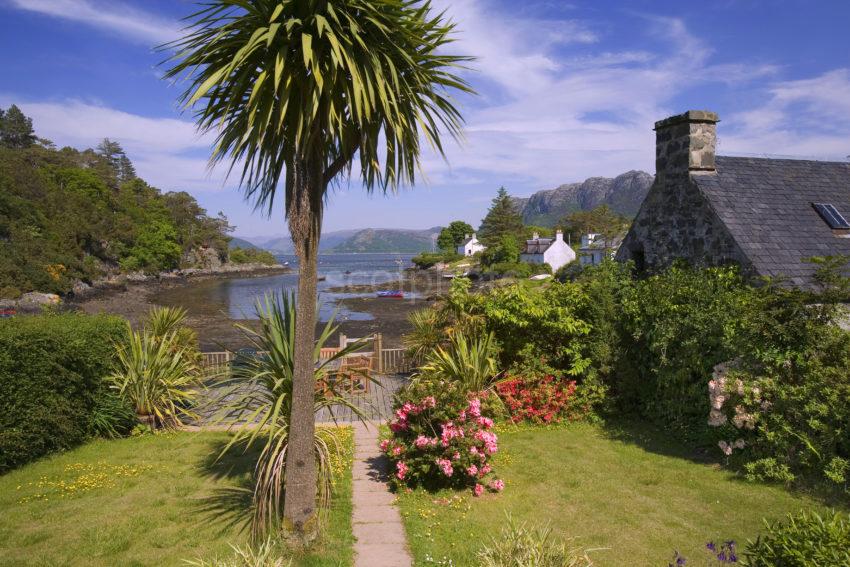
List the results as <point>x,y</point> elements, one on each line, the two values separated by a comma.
<point>68,215</point>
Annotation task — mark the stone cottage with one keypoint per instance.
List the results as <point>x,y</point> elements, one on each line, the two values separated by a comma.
<point>596,248</point>
<point>470,246</point>
<point>767,215</point>
<point>552,251</point>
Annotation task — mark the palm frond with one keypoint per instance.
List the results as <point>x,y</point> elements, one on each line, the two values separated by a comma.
<point>319,81</point>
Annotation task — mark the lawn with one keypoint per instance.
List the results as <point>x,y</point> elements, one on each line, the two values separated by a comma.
<point>632,493</point>
<point>153,500</point>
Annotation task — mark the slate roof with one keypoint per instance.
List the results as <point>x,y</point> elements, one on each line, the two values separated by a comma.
<point>537,245</point>
<point>766,204</point>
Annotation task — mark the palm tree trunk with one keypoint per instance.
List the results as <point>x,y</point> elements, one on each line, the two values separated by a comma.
<point>305,217</point>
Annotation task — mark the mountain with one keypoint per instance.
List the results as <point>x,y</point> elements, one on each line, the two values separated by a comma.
<point>242,243</point>
<point>359,240</point>
<point>390,240</point>
<point>624,194</point>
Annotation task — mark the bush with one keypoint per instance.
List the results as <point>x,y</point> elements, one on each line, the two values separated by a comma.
<point>802,539</point>
<point>51,381</point>
<point>428,259</point>
<point>520,545</point>
<point>252,256</point>
<point>538,400</point>
<point>441,437</point>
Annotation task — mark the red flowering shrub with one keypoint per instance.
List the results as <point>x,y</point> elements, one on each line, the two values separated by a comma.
<point>541,400</point>
<point>442,441</point>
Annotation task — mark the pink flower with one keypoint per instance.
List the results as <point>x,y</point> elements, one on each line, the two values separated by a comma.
<point>472,470</point>
<point>401,470</point>
<point>429,402</point>
<point>497,485</point>
<point>401,413</point>
<point>456,456</point>
<point>409,408</point>
<point>421,442</point>
<point>485,422</point>
<point>489,439</point>
<point>397,450</point>
<point>474,408</point>
<point>473,450</point>
<point>485,470</point>
<point>478,490</point>
<point>398,425</point>
<point>446,466</point>
<point>462,415</point>
<point>384,444</point>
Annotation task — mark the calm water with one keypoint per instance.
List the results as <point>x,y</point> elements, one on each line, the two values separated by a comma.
<point>237,297</point>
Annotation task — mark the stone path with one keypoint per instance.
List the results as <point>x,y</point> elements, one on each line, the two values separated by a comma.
<point>381,540</point>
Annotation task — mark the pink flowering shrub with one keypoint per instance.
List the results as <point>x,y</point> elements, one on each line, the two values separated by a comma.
<point>445,442</point>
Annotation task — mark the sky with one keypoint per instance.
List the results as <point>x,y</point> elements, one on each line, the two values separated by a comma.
<point>565,91</point>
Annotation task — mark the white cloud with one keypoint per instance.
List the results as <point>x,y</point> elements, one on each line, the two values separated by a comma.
<point>112,16</point>
<point>806,118</point>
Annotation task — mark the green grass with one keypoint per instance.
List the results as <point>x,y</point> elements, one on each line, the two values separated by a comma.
<point>153,500</point>
<point>633,493</point>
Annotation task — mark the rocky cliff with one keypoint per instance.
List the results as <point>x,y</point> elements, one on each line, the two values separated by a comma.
<point>623,194</point>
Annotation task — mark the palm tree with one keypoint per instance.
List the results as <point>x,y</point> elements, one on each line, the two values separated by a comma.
<point>295,89</point>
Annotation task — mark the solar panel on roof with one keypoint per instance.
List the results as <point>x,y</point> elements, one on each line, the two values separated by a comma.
<point>831,216</point>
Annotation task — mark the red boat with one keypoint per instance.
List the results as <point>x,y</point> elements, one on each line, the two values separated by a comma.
<point>397,293</point>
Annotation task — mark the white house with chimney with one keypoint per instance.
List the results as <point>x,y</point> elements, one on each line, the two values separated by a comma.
<point>470,246</point>
<point>552,251</point>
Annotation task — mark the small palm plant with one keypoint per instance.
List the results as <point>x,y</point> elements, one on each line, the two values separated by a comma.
<point>427,334</point>
<point>470,362</point>
<point>157,376</point>
<point>256,403</point>
<point>164,320</point>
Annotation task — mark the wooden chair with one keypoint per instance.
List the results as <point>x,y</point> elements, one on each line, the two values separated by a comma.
<point>357,369</point>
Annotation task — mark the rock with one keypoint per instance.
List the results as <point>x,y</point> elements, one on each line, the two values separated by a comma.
<point>37,298</point>
<point>624,194</point>
<point>80,288</point>
<point>203,258</point>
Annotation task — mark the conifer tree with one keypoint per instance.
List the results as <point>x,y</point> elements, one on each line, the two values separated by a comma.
<point>502,219</point>
<point>16,129</point>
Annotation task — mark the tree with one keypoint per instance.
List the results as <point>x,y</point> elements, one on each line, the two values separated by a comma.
<point>16,129</point>
<point>114,154</point>
<point>601,220</point>
<point>502,218</point>
<point>453,236</point>
<point>293,92</point>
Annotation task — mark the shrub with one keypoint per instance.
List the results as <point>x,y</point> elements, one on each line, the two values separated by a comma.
<point>802,539</point>
<point>522,545</point>
<point>444,439</point>
<point>51,380</point>
<point>428,259</point>
<point>252,256</point>
<point>269,553</point>
<point>470,362</point>
<point>538,400</point>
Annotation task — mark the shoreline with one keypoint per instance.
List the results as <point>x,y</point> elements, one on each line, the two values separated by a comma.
<point>216,328</point>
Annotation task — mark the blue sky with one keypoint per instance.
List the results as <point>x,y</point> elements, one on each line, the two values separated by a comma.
<point>567,90</point>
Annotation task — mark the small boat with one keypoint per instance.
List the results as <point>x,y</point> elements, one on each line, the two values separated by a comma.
<point>347,272</point>
<point>391,293</point>
<point>321,278</point>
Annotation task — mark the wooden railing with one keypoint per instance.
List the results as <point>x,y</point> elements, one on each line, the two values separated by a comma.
<point>390,361</point>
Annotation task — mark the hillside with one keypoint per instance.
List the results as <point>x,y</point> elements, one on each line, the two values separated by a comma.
<point>360,241</point>
<point>390,240</point>
<point>69,216</point>
<point>242,243</point>
<point>623,194</point>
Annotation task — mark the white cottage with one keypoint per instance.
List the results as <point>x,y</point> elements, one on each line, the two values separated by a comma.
<point>552,251</point>
<point>595,248</point>
<point>470,246</point>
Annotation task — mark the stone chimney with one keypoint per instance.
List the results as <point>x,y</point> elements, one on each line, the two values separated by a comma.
<point>686,143</point>
<point>559,235</point>
<point>535,236</point>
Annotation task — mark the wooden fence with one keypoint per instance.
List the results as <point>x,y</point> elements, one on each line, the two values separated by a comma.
<point>389,361</point>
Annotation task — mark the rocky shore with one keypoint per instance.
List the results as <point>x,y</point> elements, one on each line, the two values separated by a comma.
<point>81,291</point>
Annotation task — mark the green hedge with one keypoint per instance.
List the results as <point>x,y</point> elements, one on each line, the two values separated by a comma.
<point>51,379</point>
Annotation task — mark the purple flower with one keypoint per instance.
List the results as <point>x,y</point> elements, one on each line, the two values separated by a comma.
<point>710,546</point>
